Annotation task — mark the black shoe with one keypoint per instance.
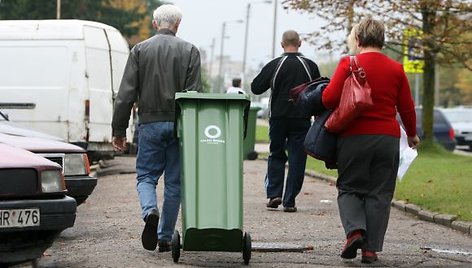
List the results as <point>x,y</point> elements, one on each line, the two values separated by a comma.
<point>290,209</point>
<point>274,202</point>
<point>164,246</point>
<point>149,235</point>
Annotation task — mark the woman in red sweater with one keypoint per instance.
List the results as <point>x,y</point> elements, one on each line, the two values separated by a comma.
<point>368,149</point>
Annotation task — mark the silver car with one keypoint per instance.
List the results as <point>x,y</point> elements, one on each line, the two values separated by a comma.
<point>461,120</point>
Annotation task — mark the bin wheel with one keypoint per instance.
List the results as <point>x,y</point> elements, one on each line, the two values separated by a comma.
<point>247,248</point>
<point>252,155</point>
<point>176,246</point>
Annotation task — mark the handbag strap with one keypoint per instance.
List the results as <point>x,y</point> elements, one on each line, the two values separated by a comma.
<point>356,69</point>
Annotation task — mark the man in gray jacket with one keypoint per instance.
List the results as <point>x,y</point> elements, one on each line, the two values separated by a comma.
<point>157,68</point>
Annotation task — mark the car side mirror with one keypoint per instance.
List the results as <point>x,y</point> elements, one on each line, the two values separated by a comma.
<point>5,116</point>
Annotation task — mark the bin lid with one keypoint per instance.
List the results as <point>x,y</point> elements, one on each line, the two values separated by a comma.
<point>184,97</point>
<point>210,96</point>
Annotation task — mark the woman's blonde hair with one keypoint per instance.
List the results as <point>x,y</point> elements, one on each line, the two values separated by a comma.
<point>352,41</point>
<point>367,33</point>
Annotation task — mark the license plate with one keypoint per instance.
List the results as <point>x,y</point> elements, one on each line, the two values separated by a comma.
<point>27,217</point>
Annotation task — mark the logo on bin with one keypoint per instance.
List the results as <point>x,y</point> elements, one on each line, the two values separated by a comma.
<point>213,133</point>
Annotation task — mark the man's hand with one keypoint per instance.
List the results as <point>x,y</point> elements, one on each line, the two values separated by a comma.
<point>413,141</point>
<point>119,144</point>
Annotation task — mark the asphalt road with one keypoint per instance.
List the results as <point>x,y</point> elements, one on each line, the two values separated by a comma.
<point>108,228</point>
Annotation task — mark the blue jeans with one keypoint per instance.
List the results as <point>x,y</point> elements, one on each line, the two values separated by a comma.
<point>286,134</point>
<point>158,153</point>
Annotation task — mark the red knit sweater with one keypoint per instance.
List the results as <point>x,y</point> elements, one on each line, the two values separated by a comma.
<point>390,93</point>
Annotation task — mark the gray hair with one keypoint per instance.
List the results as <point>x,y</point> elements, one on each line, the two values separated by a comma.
<point>167,15</point>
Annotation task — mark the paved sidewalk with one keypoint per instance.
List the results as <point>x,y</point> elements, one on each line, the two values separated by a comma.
<point>108,228</point>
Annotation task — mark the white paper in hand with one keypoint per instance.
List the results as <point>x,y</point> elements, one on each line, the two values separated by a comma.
<point>407,155</point>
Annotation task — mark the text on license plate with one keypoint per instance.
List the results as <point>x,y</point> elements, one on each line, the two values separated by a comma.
<point>19,217</point>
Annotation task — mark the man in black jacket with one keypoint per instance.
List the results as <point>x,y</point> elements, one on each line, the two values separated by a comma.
<point>287,125</point>
<point>157,68</point>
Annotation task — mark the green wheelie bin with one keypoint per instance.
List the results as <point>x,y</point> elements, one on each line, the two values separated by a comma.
<point>211,129</point>
<point>250,139</point>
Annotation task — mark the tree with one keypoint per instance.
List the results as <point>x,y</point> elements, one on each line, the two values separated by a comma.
<point>464,83</point>
<point>450,95</point>
<point>440,22</point>
<point>143,23</point>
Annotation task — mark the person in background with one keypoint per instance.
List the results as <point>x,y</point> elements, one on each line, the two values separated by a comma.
<point>157,68</point>
<point>368,149</point>
<point>236,88</point>
<point>287,125</point>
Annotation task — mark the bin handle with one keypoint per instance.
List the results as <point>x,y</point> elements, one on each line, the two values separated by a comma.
<point>246,118</point>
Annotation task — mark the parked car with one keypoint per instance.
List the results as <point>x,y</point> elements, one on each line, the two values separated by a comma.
<point>442,129</point>
<point>73,159</point>
<point>34,207</point>
<point>461,120</point>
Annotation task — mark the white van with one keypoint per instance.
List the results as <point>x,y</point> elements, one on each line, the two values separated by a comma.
<point>61,77</point>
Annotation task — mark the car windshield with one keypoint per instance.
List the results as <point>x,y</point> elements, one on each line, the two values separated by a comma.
<point>455,116</point>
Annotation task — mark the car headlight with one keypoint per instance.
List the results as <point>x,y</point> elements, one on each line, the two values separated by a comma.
<point>52,181</point>
<point>76,164</point>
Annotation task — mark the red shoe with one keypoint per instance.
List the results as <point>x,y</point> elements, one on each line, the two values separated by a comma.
<point>369,256</point>
<point>353,243</point>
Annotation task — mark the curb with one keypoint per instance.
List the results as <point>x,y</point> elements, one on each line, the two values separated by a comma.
<point>425,215</point>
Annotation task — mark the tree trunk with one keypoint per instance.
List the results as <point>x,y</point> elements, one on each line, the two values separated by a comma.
<point>428,16</point>
<point>428,96</point>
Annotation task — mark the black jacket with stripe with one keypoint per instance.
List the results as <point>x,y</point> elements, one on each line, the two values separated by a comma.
<point>280,75</point>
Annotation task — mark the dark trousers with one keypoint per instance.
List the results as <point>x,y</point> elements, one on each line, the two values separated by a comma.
<point>286,134</point>
<point>367,169</point>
